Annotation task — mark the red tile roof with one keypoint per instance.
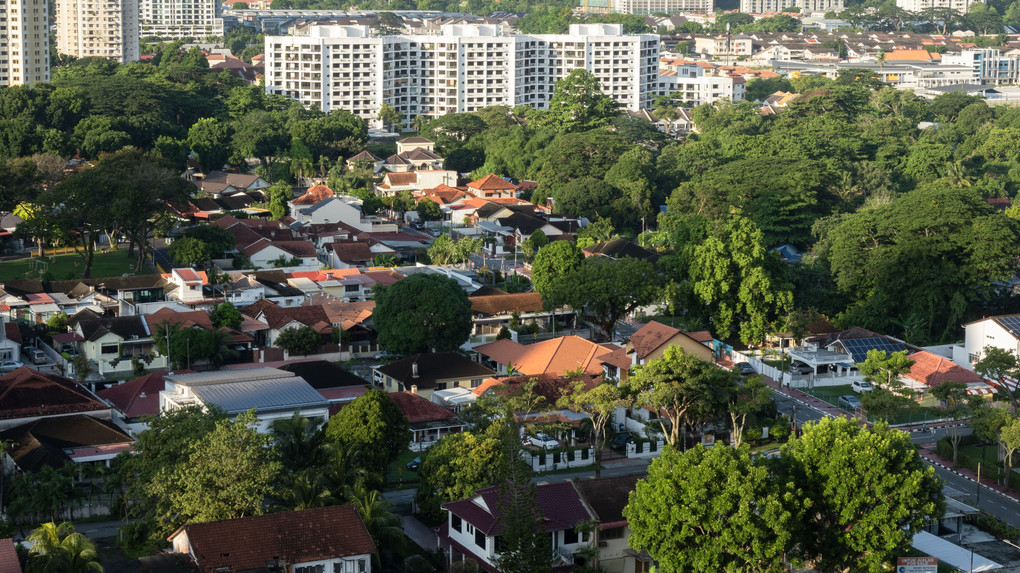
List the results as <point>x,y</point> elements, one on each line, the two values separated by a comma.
<point>701,336</point>
<point>138,397</point>
<point>295,537</point>
<point>188,275</point>
<point>278,317</point>
<point>418,409</point>
<point>314,195</point>
<point>9,562</point>
<point>491,183</point>
<point>651,336</point>
<point>30,393</point>
<point>506,303</point>
<point>932,370</point>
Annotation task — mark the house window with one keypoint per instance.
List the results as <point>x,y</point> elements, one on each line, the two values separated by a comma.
<point>479,538</point>
<point>441,386</point>
<point>973,357</point>
<point>614,533</point>
<point>310,569</point>
<point>108,349</point>
<point>456,523</point>
<point>569,537</point>
<point>476,382</point>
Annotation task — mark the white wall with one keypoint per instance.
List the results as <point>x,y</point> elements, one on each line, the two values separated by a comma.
<point>980,334</point>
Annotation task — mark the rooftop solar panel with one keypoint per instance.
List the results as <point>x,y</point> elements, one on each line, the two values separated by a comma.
<point>1010,323</point>
<point>859,347</point>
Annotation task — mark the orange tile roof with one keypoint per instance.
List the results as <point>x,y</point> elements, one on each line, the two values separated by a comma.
<point>556,356</point>
<point>932,370</point>
<point>314,195</point>
<point>911,55</point>
<point>550,387</point>
<point>491,183</point>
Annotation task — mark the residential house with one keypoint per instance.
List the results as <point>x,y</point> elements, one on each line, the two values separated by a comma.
<point>136,398</point>
<point>348,255</point>
<point>281,318</point>
<point>188,283</point>
<point>605,499</point>
<point>276,288</point>
<point>428,422</point>
<point>314,195</point>
<point>57,441</point>
<point>418,158</point>
<point>493,187</point>
<point>27,395</point>
<point>1002,332</point>
<point>372,161</point>
<point>346,210</point>
<point>409,144</point>
<point>832,358</point>
<point>931,370</point>
<point>394,183</point>
<point>274,394</point>
<point>566,355</point>
<point>112,342</point>
<point>424,373</point>
<point>474,525</point>
<point>330,539</point>
<point>267,253</point>
<point>650,343</point>
<point>243,290</point>
<point>495,310</point>
<point>220,183</point>
<point>122,295</point>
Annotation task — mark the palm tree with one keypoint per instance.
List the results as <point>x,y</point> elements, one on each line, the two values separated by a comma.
<point>383,526</point>
<point>298,440</point>
<point>305,490</point>
<point>343,470</point>
<point>219,345</point>
<point>61,549</point>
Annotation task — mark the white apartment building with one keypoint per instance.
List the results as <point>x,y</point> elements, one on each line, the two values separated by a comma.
<point>806,6</point>
<point>181,18</point>
<point>960,6</point>
<point>724,45</point>
<point>98,28</point>
<point>990,67</point>
<point>464,69</point>
<point>693,87</point>
<point>648,7</point>
<point>24,42</point>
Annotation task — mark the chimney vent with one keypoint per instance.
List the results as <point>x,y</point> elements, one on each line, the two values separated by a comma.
<point>414,389</point>
<point>414,370</point>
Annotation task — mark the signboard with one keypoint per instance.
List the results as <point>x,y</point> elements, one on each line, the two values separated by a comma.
<point>917,565</point>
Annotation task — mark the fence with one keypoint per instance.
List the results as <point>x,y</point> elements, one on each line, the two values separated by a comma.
<point>990,468</point>
<point>560,459</point>
<point>760,367</point>
<point>642,449</point>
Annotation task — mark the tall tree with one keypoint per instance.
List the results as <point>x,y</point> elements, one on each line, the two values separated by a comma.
<point>868,493</point>
<point>374,425</point>
<point>715,509</point>
<point>749,396</point>
<point>422,312</point>
<point>578,104</point>
<point>884,369</point>
<point>554,260</point>
<point>954,402</point>
<point>598,404</point>
<point>457,465</point>
<point>605,290</point>
<point>210,140</point>
<point>523,544</point>
<point>58,548</point>
<point>735,277</point>
<point>998,364</point>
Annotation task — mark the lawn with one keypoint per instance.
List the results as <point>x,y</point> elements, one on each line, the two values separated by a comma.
<point>398,472</point>
<point>916,415</point>
<point>830,393</point>
<point>63,267</point>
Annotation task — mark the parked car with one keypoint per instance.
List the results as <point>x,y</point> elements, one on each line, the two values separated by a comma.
<point>414,464</point>
<point>383,355</point>
<point>38,356</point>
<point>544,441</point>
<point>743,368</point>
<point>848,402</point>
<point>801,369</point>
<point>10,366</point>
<point>621,440</point>
<point>860,386</point>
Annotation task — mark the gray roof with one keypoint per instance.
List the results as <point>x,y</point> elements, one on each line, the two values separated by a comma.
<point>275,394</point>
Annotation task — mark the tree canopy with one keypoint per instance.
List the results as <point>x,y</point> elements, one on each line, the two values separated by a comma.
<point>421,313</point>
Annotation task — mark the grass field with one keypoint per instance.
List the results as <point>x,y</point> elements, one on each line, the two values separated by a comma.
<point>917,415</point>
<point>63,267</point>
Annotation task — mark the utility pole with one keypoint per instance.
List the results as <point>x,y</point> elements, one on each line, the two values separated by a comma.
<point>979,484</point>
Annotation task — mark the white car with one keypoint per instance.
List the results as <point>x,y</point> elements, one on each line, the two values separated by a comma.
<point>860,386</point>
<point>544,441</point>
<point>10,366</point>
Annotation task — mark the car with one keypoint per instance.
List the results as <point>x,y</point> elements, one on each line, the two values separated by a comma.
<point>383,355</point>
<point>543,440</point>
<point>10,365</point>
<point>38,356</point>
<point>414,464</point>
<point>848,402</point>
<point>860,386</point>
<point>743,368</point>
<point>621,440</point>
<point>801,369</point>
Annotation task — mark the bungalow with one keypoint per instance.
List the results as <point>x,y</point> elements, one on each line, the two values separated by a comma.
<point>493,187</point>
<point>27,395</point>
<point>650,343</point>
<point>566,355</point>
<point>428,422</point>
<point>834,357</point>
<point>314,195</point>
<point>605,498</point>
<point>346,210</point>
<point>495,310</point>
<point>220,183</point>
<point>135,399</point>
<point>1002,332</point>
<point>367,159</point>
<point>112,342</point>
<point>930,370</point>
<point>274,394</point>
<point>619,248</point>
<point>424,373</point>
<point>267,253</point>
<point>280,318</point>
<point>57,441</point>
<point>394,183</point>
<point>474,525</point>
<point>322,540</point>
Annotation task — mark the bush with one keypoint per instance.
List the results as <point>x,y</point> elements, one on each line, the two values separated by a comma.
<point>996,527</point>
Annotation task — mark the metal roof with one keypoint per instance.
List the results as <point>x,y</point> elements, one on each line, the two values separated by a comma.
<point>273,394</point>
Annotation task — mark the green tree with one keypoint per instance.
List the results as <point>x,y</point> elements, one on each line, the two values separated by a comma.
<point>210,140</point>
<point>229,473</point>
<point>749,396</point>
<point>735,277</point>
<point>428,210</point>
<point>61,549</point>
<point>536,241</point>
<point>998,364</point>
<point>954,399</point>
<point>884,369</point>
<point>456,466</point>
<point>421,313</point>
<point>297,441</point>
<point>188,252</point>
<point>226,316</point>
<point>715,509</point>
<point>605,290</point>
<point>550,263</point>
<point>279,195</point>
<point>868,493</point>
<point>389,116</point>
<point>598,404</point>
<point>219,240</point>
<point>578,104</point>
<point>598,231</point>
<point>525,546</point>
<point>682,389</point>
<point>373,425</point>
<point>303,340</point>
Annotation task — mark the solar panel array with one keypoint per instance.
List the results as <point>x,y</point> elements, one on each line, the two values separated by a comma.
<point>859,347</point>
<point>1010,323</point>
